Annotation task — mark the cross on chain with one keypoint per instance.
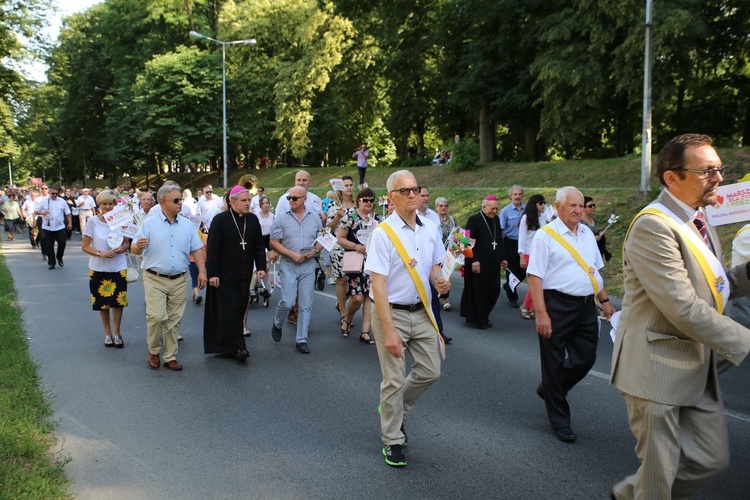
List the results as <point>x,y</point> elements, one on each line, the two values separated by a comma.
<point>494,244</point>
<point>243,244</point>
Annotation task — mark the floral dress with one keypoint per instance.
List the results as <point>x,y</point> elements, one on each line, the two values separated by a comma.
<point>359,231</point>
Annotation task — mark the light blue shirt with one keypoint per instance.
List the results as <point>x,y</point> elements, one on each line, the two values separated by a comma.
<point>510,216</point>
<point>169,244</point>
<point>295,234</point>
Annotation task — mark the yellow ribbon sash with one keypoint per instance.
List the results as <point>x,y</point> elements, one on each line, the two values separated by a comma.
<point>712,269</point>
<point>589,270</point>
<point>415,278</point>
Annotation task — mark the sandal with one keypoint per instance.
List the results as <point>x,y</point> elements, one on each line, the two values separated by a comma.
<point>525,314</point>
<point>119,342</point>
<point>108,341</point>
<point>366,338</point>
<point>344,322</point>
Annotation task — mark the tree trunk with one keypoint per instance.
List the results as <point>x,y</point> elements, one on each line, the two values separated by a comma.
<point>531,148</point>
<point>746,125</point>
<point>487,149</point>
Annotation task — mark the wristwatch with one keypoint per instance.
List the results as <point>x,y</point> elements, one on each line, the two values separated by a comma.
<point>98,253</point>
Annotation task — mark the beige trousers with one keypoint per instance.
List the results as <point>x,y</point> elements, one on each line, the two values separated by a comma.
<point>399,392</point>
<point>681,448</point>
<point>165,304</point>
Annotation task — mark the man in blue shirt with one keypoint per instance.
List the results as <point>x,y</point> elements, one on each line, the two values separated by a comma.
<point>166,242</point>
<point>510,216</point>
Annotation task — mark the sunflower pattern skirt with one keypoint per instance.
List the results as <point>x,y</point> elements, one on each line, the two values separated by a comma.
<point>108,290</point>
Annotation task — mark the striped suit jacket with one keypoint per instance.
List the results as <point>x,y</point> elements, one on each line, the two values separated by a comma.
<point>669,328</point>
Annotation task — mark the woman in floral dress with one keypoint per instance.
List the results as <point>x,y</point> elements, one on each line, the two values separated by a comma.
<point>107,270</point>
<point>354,232</point>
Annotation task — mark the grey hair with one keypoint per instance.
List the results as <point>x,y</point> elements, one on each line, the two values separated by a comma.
<point>395,175</point>
<point>166,188</point>
<point>441,199</point>
<point>563,193</point>
<point>514,187</point>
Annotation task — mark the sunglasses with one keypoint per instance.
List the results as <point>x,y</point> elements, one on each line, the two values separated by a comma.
<point>44,189</point>
<point>406,191</point>
<point>367,200</point>
<point>541,202</point>
<point>53,193</point>
<point>294,198</point>
<point>177,201</point>
<point>593,205</point>
<point>208,191</point>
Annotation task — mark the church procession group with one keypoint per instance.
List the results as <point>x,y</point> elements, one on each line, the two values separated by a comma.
<point>671,337</point>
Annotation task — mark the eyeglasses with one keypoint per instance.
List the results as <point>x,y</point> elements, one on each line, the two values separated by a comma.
<point>294,198</point>
<point>209,192</point>
<point>406,191</point>
<point>703,174</point>
<point>177,201</point>
<point>593,205</point>
<point>367,200</point>
<point>53,193</point>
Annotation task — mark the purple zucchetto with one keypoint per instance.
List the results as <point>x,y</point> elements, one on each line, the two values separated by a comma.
<point>237,189</point>
<point>490,197</point>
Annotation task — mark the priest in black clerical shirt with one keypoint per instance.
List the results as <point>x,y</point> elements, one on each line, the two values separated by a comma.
<point>482,271</point>
<point>235,245</point>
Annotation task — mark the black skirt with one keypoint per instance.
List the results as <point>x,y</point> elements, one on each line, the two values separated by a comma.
<point>108,290</point>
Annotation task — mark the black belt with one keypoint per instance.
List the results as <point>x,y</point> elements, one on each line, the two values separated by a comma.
<point>574,298</point>
<point>408,307</point>
<point>168,276</point>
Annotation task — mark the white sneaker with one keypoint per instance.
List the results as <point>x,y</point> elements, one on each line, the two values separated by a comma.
<point>331,280</point>
<point>179,337</point>
<point>447,306</point>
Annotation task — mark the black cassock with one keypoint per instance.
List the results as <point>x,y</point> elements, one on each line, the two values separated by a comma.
<point>482,290</point>
<point>233,265</point>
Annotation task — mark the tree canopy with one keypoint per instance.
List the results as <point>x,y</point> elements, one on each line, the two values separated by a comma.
<point>129,91</point>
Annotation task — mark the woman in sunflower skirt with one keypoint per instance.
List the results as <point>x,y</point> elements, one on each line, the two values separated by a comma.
<point>107,269</point>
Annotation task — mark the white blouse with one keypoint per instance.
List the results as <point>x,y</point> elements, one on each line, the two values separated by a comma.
<point>98,231</point>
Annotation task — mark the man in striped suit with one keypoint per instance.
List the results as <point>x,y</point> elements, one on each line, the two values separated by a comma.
<point>672,329</point>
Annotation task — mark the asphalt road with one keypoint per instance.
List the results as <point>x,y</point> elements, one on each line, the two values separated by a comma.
<point>288,426</point>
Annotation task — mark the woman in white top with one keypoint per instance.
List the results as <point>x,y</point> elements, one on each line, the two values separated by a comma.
<point>107,269</point>
<point>336,212</point>
<point>532,220</point>
<point>189,205</point>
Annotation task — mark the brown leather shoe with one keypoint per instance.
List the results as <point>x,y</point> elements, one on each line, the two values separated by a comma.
<point>173,365</point>
<point>153,361</point>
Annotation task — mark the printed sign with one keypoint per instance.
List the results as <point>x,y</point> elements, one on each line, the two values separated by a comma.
<point>449,263</point>
<point>732,204</point>
<point>119,216</point>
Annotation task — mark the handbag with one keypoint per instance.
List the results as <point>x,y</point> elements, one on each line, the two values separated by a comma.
<point>132,274</point>
<point>353,263</point>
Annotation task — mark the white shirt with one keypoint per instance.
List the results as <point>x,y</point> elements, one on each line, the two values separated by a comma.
<point>432,216</point>
<point>423,244</point>
<point>209,208</point>
<point>57,208</point>
<point>265,222</point>
<point>313,203</point>
<point>557,269</point>
<point>255,204</point>
<point>85,202</point>
<point>98,231</point>
<point>526,236</point>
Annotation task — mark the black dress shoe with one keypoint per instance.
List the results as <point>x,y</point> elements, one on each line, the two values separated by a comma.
<point>446,339</point>
<point>275,332</point>
<point>565,434</point>
<point>302,348</point>
<point>51,267</point>
<point>60,263</point>
<point>242,355</point>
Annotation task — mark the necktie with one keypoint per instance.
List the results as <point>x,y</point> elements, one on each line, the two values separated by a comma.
<point>700,223</point>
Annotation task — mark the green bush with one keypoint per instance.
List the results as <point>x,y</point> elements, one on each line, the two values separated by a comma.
<point>465,155</point>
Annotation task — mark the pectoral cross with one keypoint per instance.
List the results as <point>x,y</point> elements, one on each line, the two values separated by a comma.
<point>494,244</point>
<point>243,244</point>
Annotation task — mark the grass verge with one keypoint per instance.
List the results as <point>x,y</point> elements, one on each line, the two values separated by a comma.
<point>29,468</point>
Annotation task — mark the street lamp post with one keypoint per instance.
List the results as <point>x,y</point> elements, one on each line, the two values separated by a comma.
<point>196,36</point>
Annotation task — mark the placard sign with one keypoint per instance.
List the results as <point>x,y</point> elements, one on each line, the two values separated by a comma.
<point>732,204</point>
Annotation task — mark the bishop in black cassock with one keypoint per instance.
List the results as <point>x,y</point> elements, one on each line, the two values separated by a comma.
<point>235,244</point>
<point>482,285</point>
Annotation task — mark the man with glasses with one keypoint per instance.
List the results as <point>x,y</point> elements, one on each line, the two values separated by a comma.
<point>510,216</point>
<point>56,219</point>
<point>209,205</point>
<point>314,204</point>
<point>672,332</point>
<point>293,237</point>
<point>255,202</point>
<point>400,318</point>
<point>166,242</point>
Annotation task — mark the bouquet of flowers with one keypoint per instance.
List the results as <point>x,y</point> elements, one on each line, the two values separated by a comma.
<point>460,244</point>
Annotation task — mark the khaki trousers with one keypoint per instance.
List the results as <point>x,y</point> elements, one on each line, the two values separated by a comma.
<point>681,448</point>
<point>399,392</point>
<point>165,304</point>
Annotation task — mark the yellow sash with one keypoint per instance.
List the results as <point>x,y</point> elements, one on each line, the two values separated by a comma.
<point>717,284</point>
<point>742,230</point>
<point>415,278</point>
<point>577,256</point>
